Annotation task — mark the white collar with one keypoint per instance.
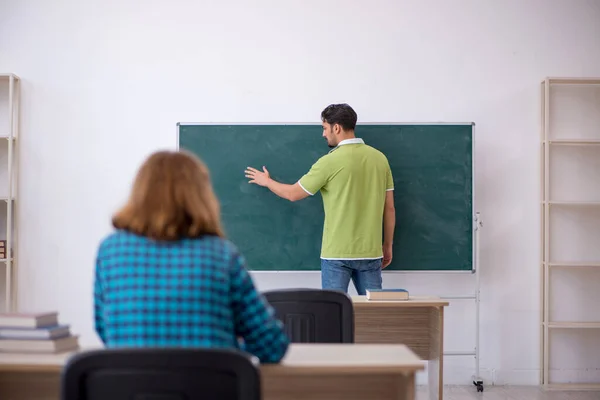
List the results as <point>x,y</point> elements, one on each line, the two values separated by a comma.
<point>351,141</point>
<point>348,141</point>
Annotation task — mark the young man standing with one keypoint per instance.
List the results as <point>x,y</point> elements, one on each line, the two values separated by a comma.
<point>356,184</point>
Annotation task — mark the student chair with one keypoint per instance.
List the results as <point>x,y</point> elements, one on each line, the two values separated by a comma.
<point>161,374</point>
<point>314,315</point>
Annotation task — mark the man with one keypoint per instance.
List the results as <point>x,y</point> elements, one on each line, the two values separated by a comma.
<point>356,184</point>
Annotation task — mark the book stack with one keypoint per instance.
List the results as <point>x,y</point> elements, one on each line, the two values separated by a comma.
<point>2,249</point>
<point>387,294</point>
<point>35,333</point>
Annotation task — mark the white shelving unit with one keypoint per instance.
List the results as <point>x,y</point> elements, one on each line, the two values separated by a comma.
<point>9,119</point>
<point>570,233</point>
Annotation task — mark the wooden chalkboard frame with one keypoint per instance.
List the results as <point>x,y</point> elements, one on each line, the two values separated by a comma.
<point>475,220</point>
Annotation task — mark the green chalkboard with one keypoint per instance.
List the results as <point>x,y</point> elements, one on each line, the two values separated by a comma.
<point>432,166</point>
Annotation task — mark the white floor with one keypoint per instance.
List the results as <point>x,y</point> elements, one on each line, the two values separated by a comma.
<point>508,393</point>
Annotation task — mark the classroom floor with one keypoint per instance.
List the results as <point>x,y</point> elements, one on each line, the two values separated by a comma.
<point>508,393</point>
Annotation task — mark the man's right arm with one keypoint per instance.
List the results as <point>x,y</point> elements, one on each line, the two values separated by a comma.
<point>389,224</point>
<point>389,219</point>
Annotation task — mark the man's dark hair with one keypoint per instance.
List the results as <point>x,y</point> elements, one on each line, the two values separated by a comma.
<point>341,114</point>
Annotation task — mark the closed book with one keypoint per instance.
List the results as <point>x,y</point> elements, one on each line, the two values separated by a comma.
<point>387,294</point>
<point>51,332</point>
<point>59,345</point>
<point>29,320</point>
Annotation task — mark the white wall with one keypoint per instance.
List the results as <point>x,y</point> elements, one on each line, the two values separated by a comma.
<point>104,84</point>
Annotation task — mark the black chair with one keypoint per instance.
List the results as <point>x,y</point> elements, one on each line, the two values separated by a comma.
<point>161,374</point>
<point>314,315</point>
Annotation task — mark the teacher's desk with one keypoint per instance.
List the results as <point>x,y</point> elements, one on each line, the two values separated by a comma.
<point>418,323</point>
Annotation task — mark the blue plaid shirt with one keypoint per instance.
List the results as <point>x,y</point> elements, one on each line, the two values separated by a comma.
<point>188,293</point>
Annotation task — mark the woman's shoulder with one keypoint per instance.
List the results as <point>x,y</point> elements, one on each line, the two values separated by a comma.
<point>215,246</point>
<point>118,239</point>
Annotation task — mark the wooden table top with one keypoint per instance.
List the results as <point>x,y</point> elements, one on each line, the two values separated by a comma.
<point>413,301</point>
<point>347,358</point>
<point>300,358</point>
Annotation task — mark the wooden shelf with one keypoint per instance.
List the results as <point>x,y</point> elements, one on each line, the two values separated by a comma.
<point>572,386</point>
<point>586,134</point>
<point>575,264</point>
<point>574,142</point>
<point>574,203</point>
<point>10,94</point>
<point>573,81</point>
<point>573,325</point>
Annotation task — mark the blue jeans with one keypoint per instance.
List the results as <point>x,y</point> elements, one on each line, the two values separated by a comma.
<point>365,274</point>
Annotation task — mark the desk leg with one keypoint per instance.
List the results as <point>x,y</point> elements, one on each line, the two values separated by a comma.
<point>436,354</point>
<point>407,388</point>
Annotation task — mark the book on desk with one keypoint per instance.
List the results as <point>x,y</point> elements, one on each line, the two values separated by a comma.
<point>387,294</point>
<point>35,333</point>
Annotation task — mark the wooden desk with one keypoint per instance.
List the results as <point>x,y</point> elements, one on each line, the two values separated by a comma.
<point>417,323</point>
<point>309,371</point>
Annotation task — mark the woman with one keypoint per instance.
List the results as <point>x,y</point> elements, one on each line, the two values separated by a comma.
<point>167,276</point>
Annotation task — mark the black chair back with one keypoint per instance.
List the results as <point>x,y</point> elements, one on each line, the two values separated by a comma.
<point>314,315</point>
<point>161,374</point>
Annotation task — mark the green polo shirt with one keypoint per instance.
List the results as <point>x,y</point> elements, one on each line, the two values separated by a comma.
<point>353,179</point>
